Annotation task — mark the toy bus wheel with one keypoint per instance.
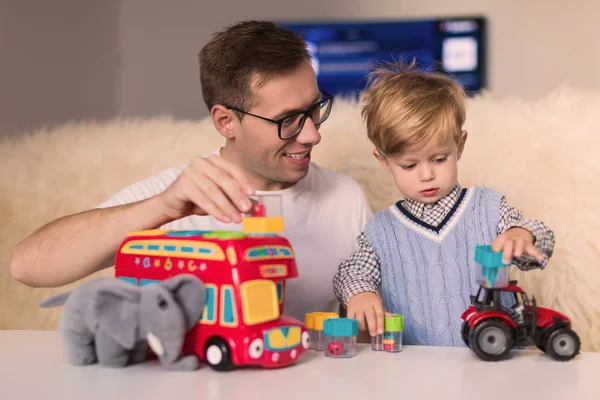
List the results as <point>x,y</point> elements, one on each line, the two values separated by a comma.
<point>218,355</point>
<point>465,332</point>
<point>563,344</point>
<point>491,340</point>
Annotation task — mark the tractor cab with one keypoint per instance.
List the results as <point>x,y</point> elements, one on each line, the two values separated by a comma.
<point>511,300</point>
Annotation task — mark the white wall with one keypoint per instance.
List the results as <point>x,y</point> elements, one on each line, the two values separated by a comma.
<point>534,45</point>
<point>58,61</point>
<point>139,57</point>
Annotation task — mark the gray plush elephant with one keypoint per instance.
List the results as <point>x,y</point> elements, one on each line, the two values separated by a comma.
<point>112,322</point>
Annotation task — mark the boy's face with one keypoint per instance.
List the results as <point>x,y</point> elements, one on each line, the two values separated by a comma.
<point>254,143</point>
<point>426,174</point>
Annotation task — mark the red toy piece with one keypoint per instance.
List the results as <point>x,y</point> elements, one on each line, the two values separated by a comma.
<point>245,275</point>
<point>335,348</point>
<point>259,210</point>
<point>491,330</point>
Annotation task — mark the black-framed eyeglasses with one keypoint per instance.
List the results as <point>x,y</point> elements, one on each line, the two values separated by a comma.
<point>291,125</point>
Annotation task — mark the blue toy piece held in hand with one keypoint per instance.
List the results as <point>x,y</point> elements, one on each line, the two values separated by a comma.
<point>493,272</point>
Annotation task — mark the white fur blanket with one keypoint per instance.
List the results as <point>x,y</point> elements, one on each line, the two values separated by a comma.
<point>542,155</point>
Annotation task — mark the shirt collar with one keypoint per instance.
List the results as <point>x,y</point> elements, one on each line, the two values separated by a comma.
<point>446,203</point>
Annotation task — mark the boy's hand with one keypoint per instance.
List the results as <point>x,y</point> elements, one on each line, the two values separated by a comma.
<point>367,307</point>
<point>515,242</point>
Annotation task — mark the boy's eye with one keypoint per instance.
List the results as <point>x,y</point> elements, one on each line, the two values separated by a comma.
<point>410,166</point>
<point>441,159</point>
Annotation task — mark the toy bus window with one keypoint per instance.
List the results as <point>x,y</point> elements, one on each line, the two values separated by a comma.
<point>187,249</point>
<point>259,301</point>
<point>144,282</point>
<point>268,252</point>
<point>280,291</point>
<point>153,247</point>
<point>227,306</point>
<point>136,247</point>
<point>128,279</point>
<point>208,314</point>
<point>170,247</point>
<point>205,250</point>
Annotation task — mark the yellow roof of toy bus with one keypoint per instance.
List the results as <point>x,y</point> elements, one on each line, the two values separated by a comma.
<point>149,232</point>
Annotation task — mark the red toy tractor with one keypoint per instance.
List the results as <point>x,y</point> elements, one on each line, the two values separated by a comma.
<point>491,329</point>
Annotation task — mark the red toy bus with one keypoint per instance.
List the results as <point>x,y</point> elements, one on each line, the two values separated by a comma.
<point>243,321</point>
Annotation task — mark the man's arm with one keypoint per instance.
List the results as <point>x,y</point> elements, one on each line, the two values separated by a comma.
<point>78,245</point>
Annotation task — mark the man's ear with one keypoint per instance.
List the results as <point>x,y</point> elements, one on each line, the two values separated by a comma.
<point>381,158</point>
<point>224,120</point>
<point>461,146</point>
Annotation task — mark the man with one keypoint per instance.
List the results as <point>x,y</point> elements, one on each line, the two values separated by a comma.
<point>259,85</point>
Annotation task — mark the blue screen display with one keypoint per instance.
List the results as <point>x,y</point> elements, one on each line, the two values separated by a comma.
<point>344,52</point>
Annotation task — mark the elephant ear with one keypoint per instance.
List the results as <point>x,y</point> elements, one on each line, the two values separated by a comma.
<point>116,312</point>
<point>190,293</point>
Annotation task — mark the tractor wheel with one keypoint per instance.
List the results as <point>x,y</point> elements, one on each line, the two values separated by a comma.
<point>464,330</point>
<point>491,340</point>
<point>541,347</point>
<point>563,344</point>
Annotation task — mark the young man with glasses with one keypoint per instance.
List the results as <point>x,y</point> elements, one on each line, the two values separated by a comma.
<point>262,93</point>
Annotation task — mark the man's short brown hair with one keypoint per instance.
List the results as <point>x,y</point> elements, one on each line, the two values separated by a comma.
<point>247,53</point>
<point>405,108</point>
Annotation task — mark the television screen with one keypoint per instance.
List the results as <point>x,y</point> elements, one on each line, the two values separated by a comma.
<point>343,52</point>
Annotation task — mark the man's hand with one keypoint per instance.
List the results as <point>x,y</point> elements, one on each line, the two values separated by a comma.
<point>367,307</point>
<point>209,186</point>
<point>516,242</point>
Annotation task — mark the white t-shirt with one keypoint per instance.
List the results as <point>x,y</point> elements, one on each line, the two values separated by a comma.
<point>324,213</point>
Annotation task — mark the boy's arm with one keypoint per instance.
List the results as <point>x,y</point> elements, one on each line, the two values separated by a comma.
<point>511,217</point>
<point>359,273</point>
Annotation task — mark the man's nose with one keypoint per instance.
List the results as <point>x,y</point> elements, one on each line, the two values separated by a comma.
<point>309,133</point>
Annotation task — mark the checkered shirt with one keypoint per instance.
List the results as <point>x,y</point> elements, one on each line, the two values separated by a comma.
<point>361,272</point>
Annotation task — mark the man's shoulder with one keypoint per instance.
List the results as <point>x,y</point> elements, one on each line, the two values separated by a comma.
<point>149,186</point>
<point>170,174</point>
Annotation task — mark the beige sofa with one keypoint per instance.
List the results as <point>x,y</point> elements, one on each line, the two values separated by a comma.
<point>542,154</point>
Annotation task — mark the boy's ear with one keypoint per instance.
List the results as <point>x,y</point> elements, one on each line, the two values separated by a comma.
<point>461,146</point>
<point>224,120</point>
<point>381,158</point>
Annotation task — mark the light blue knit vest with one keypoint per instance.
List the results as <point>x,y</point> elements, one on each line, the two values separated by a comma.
<point>428,273</point>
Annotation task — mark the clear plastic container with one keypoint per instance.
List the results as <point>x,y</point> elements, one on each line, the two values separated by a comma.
<point>492,273</point>
<point>266,205</point>
<point>391,339</point>
<point>309,322</point>
<point>265,216</point>
<point>377,342</point>
<point>314,323</point>
<point>340,336</point>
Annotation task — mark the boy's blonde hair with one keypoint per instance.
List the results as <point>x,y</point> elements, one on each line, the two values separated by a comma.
<point>405,108</point>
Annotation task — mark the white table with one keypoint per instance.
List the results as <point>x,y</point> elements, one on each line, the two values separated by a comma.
<point>32,366</point>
